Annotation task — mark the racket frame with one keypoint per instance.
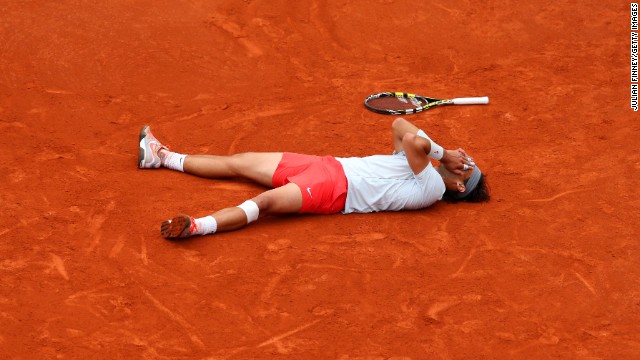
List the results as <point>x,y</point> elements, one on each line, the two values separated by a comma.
<point>429,102</point>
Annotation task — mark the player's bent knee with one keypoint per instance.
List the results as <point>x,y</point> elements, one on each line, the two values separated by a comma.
<point>251,210</point>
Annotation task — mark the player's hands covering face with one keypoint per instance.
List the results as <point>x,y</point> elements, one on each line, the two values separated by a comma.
<point>457,161</point>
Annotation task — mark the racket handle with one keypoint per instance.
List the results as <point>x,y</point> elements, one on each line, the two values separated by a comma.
<point>471,100</point>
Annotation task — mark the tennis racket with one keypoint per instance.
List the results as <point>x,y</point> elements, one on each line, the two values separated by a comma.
<point>398,103</point>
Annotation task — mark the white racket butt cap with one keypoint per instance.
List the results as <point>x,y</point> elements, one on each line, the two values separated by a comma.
<point>471,100</point>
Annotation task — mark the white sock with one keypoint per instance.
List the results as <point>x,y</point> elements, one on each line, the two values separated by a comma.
<point>206,225</point>
<point>173,161</point>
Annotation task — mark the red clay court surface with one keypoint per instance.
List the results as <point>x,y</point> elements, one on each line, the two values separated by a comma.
<point>548,269</point>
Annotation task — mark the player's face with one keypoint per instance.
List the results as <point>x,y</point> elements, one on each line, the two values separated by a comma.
<point>454,182</point>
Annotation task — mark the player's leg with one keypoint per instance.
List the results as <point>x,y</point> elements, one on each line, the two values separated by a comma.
<point>258,167</point>
<point>400,127</point>
<point>286,199</point>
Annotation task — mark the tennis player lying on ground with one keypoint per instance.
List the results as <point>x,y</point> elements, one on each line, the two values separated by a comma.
<point>299,183</point>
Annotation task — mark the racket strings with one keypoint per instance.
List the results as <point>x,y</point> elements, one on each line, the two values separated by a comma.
<point>396,103</point>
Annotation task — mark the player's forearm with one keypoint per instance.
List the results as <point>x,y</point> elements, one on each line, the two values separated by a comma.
<point>416,144</point>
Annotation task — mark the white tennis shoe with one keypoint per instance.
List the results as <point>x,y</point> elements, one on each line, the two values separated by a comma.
<point>149,146</point>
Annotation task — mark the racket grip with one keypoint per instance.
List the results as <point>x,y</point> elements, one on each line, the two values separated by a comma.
<point>471,100</point>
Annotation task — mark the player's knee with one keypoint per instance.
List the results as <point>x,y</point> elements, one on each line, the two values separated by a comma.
<point>238,163</point>
<point>269,203</point>
<point>264,203</point>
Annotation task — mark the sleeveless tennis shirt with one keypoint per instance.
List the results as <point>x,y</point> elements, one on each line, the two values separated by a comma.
<point>387,183</point>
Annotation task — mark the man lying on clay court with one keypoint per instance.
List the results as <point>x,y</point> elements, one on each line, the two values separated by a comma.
<point>299,183</point>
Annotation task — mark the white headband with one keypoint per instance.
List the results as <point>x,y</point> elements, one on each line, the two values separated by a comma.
<point>470,185</point>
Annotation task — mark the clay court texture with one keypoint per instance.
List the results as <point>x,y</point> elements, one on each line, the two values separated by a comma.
<point>548,268</point>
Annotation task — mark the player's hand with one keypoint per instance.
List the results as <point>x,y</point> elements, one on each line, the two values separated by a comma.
<point>457,161</point>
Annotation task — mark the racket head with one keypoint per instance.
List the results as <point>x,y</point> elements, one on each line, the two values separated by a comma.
<point>399,103</point>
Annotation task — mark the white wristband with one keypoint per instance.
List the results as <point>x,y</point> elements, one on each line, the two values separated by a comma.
<point>437,151</point>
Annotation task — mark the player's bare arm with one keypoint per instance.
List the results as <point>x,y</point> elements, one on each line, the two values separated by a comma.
<point>456,161</point>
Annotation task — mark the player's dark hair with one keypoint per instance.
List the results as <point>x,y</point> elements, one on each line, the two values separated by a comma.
<point>479,194</point>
